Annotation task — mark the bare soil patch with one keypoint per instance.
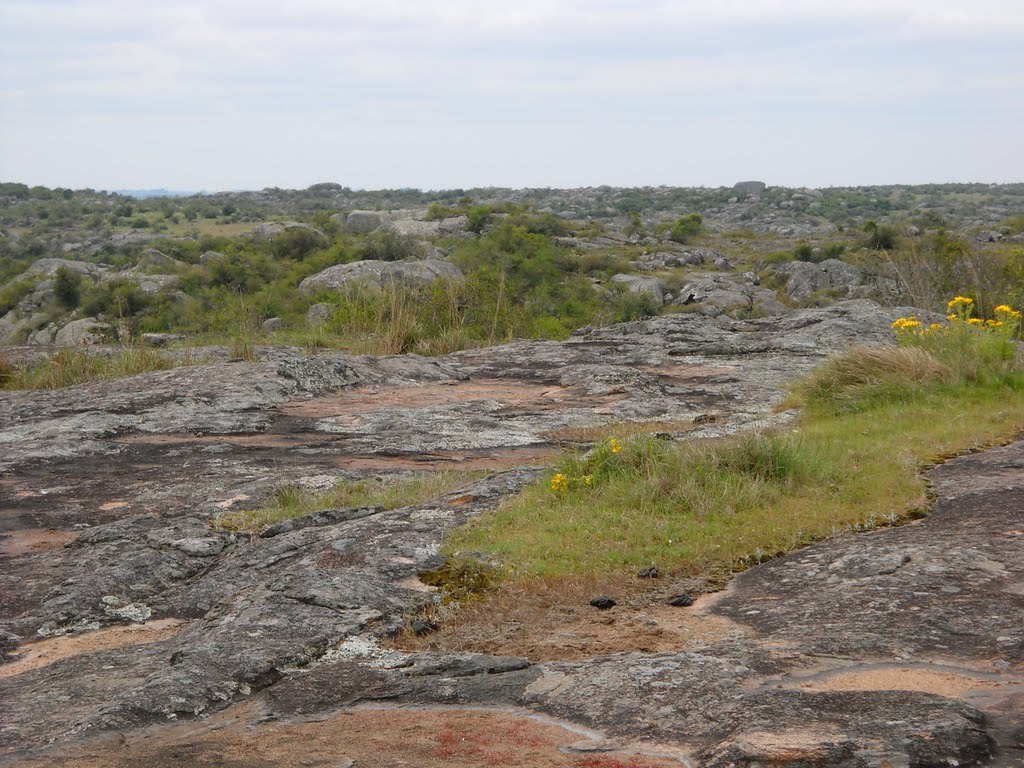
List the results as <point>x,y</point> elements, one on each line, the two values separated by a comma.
<point>30,540</point>
<point>42,653</point>
<point>554,621</point>
<point>952,685</point>
<point>362,738</point>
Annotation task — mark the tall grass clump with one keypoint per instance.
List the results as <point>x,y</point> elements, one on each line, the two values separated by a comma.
<point>70,365</point>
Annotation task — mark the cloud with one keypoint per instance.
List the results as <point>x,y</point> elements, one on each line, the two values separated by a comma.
<point>448,72</point>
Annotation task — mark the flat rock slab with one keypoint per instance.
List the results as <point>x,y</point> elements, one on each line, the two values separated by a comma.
<point>109,489</point>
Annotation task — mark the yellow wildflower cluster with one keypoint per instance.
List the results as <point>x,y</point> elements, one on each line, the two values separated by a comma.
<point>906,323</point>
<point>1006,320</point>
<point>1007,310</point>
<point>588,472</point>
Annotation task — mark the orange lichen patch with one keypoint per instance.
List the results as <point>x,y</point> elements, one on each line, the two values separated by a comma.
<point>458,501</point>
<point>368,738</point>
<point>42,653</point>
<point>113,505</point>
<point>952,685</point>
<point>33,540</point>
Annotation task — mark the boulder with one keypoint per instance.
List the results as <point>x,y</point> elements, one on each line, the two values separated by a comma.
<point>152,258</point>
<point>415,228</point>
<point>377,274</point>
<point>209,256</point>
<point>750,187</point>
<point>49,267</point>
<point>81,333</point>
<point>638,284</point>
<point>318,314</point>
<point>272,324</point>
<point>805,278</point>
<point>454,225</point>
<point>361,222</point>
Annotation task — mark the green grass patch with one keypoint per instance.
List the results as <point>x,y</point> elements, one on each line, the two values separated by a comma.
<point>290,501</point>
<point>70,365</point>
<point>853,461</point>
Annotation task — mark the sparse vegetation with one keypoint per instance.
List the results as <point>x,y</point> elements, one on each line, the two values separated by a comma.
<point>290,501</point>
<point>69,365</point>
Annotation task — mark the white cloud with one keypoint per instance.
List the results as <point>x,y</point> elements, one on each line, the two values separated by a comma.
<point>459,74</point>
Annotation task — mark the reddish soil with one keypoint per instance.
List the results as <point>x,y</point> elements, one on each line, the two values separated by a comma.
<point>362,738</point>
<point>33,540</point>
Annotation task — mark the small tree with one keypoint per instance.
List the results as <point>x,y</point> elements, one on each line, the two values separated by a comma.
<point>67,288</point>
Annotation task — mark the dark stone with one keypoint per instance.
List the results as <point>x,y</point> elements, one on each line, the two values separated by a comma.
<point>423,626</point>
<point>649,573</point>
<point>603,602</point>
<point>681,601</point>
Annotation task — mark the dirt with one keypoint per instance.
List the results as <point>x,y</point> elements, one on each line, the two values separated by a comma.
<point>30,540</point>
<point>954,685</point>
<point>556,621</point>
<point>362,738</point>
<point>42,653</point>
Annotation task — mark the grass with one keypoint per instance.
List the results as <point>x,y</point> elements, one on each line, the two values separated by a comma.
<point>290,501</point>
<point>873,418</point>
<point>70,365</point>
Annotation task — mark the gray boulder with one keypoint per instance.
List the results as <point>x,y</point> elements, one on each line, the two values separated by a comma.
<point>805,278</point>
<point>416,228</point>
<point>750,187</point>
<point>209,256</point>
<point>152,258</point>
<point>638,284</point>
<point>454,225</point>
<point>81,333</point>
<point>318,314</point>
<point>377,274</point>
<point>361,222</point>
<point>49,267</point>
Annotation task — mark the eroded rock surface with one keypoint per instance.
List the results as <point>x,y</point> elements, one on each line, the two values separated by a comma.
<point>904,645</point>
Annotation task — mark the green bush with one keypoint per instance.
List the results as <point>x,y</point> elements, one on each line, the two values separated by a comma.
<point>687,227</point>
<point>67,288</point>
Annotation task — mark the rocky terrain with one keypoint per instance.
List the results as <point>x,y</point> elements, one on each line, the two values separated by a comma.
<point>134,631</point>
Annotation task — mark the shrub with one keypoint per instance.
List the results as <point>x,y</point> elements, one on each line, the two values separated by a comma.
<point>687,227</point>
<point>388,245</point>
<point>67,288</point>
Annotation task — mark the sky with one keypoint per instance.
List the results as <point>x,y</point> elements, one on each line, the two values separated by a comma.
<point>247,94</point>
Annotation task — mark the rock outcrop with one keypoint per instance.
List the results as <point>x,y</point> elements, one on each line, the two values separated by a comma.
<point>901,646</point>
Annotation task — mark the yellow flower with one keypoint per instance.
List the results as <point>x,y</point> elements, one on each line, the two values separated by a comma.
<point>976,321</point>
<point>559,482</point>
<point>936,326</point>
<point>588,480</point>
<point>952,318</point>
<point>616,446</point>
<point>958,301</point>
<point>1004,308</point>
<point>906,323</point>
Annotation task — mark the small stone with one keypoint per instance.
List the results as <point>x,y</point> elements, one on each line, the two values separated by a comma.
<point>681,601</point>
<point>649,573</point>
<point>602,603</point>
<point>423,627</point>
